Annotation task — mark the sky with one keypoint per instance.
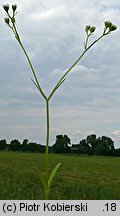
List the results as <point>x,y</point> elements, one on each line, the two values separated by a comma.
<point>52,31</point>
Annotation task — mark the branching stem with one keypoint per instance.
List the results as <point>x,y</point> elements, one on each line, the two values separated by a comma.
<point>74,64</point>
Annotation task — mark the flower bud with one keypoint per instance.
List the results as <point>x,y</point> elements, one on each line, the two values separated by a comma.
<point>92,29</point>
<point>14,7</point>
<point>6,7</point>
<point>112,28</point>
<point>87,28</point>
<point>108,24</point>
<point>13,20</point>
<point>7,21</point>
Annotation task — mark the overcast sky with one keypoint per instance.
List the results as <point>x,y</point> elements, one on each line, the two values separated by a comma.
<point>53,33</point>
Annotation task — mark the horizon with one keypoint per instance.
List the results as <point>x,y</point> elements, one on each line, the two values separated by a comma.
<point>72,143</point>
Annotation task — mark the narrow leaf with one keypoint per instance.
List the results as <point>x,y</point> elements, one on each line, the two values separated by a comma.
<point>39,88</point>
<point>35,84</point>
<point>53,175</point>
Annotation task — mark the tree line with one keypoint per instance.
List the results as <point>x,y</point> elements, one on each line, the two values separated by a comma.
<point>91,145</point>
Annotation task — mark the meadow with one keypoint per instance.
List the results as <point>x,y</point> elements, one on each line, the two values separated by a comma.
<point>79,177</point>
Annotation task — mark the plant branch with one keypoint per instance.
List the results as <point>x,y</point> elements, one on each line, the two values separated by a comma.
<point>83,53</point>
<point>29,61</point>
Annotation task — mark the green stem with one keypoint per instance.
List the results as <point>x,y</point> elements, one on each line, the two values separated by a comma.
<point>47,147</point>
<point>29,61</point>
<point>47,134</point>
<point>34,74</point>
<point>86,43</point>
<point>95,41</point>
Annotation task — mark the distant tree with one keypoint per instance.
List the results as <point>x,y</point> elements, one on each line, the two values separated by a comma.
<point>75,148</point>
<point>105,146</point>
<point>92,142</point>
<point>32,147</point>
<point>24,145</point>
<point>117,152</point>
<point>2,144</point>
<point>40,148</point>
<point>62,144</point>
<point>15,145</point>
<point>84,147</point>
<point>98,146</point>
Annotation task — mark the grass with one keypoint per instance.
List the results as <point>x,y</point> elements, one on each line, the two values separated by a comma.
<point>79,177</point>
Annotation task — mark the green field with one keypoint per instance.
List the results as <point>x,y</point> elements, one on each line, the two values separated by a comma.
<point>80,177</point>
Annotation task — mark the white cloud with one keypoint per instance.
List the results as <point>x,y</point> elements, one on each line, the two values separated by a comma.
<point>116,132</point>
<point>110,3</point>
<point>47,14</point>
<point>116,137</point>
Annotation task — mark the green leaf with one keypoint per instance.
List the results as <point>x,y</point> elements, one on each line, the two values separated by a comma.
<point>35,84</point>
<point>52,175</point>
